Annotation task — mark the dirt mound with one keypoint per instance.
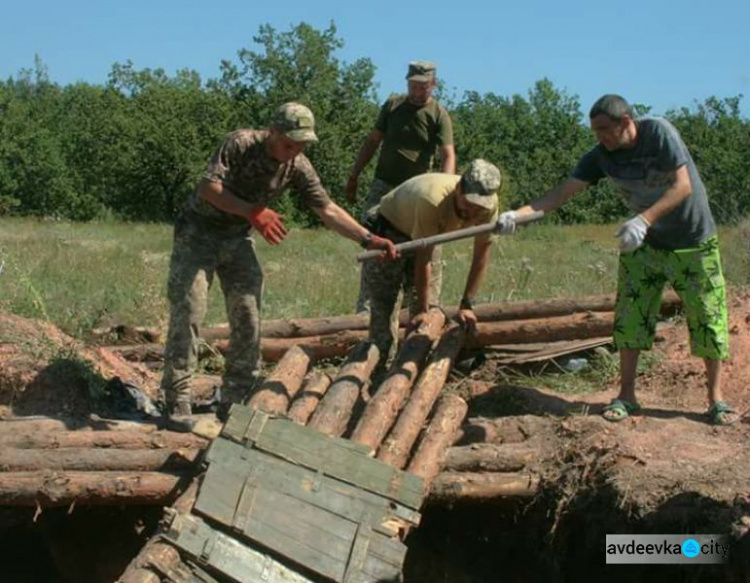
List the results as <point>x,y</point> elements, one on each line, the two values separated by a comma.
<point>46,372</point>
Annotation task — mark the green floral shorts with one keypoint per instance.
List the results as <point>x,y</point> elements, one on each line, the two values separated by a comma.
<point>695,274</point>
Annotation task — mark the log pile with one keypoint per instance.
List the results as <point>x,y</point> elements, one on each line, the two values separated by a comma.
<point>541,321</point>
<point>43,463</point>
<point>411,428</point>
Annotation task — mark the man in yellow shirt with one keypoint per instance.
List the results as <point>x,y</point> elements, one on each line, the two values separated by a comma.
<point>428,204</point>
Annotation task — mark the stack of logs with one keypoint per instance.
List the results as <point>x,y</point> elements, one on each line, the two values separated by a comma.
<point>501,323</point>
<point>390,424</point>
<point>45,463</point>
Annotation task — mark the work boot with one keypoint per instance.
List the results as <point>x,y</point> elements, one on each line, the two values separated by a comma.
<point>180,418</point>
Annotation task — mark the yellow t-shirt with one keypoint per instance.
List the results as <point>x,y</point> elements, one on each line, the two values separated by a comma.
<point>424,206</point>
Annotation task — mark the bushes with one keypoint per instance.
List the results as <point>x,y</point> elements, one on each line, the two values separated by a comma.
<point>135,147</point>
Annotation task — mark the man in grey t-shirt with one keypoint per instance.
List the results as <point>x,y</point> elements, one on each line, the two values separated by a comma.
<point>671,239</point>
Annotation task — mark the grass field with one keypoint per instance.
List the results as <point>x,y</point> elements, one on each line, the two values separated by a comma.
<point>80,276</point>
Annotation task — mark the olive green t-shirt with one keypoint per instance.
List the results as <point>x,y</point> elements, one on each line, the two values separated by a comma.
<point>412,134</point>
<point>424,206</point>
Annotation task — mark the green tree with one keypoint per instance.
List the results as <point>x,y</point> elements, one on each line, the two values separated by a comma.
<point>719,141</point>
<point>301,65</point>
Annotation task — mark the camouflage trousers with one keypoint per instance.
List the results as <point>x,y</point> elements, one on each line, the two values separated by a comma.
<point>378,189</point>
<point>387,284</point>
<point>197,257</point>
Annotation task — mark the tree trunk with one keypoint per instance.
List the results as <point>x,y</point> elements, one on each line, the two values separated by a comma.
<point>14,426</point>
<point>588,325</point>
<point>389,398</point>
<point>488,457</point>
<point>398,444</point>
<point>47,489</point>
<point>492,312</point>
<point>282,384</point>
<point>87,460</point>
<point>454,486</point>
<point>102,439</point>
<point>334,411</point>
<point>157,557</point>
<point>308,398</point>
<point>576,326</point>
<point>440,433</point>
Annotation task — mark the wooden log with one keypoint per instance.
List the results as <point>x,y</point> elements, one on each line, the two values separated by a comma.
<point>440,433</point>
<point>282,384</point>
<point>155,559</point>
<point>398,444</point>
<point>576,326</point>
<point>158,558</point>
<point>272,349</point>
<point>588,325</point>
<point>25,425</point>
<point>47,489</point>
<point>87,460</point>
<point>382,409</point>
<point>102,439</point>
<point>309,397</point>
<point>490,312</point>
<point>490,457</point>
<point>451,487</point>
<point>334,411</point>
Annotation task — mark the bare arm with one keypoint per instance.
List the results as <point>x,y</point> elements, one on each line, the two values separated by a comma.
<point>218,195</point>
<point>422,273</point>
<point>555,197</point>
<point>672,197</point>
<point>448,157</point>
<point>340,221</point>
<point>479,262</point>
<point>366,152</point>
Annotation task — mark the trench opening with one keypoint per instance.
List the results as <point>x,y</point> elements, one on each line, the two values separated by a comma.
<point>509,541</point>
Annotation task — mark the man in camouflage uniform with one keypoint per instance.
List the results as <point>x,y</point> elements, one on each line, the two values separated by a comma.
<point>410,129</point>
<point>423,206</point>
<point>248,172</point>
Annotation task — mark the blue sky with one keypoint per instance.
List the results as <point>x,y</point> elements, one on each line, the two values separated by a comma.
<point>662,53</point>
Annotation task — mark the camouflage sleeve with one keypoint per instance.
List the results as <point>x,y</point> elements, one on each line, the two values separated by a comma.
<point>226,158</point>
<point>381,124</point>
<point>445,128</point>
<point>306,182</point>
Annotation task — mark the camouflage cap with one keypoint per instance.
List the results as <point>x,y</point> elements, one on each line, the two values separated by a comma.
<point>480,182</point>
<point>295,121</point>
<point>421,71</point>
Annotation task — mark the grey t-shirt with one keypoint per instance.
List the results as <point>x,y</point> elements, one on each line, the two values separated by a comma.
<point>643,174</point>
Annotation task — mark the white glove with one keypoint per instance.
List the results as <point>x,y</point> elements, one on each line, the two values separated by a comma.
<point>506,223</point>
<point>632,233</point>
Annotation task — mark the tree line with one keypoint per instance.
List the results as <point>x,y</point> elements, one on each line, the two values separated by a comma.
<point>134,147</point>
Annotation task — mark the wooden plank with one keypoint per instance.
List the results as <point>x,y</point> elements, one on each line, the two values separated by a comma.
<point>317,489</point>
<point>310,536</point>
<point>227,555</point>
<point>556,349</point>
<point>332,456</point>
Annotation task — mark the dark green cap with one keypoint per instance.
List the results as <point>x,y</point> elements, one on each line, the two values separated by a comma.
<point>421,71</point>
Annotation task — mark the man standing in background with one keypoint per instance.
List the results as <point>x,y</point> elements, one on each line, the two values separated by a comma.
<point>410,130</point>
